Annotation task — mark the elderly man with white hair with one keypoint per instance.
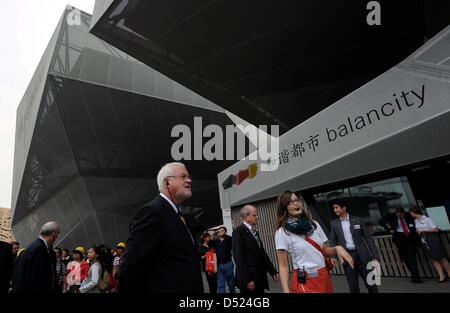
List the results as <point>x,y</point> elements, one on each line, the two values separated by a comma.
<point>35,272</point>
<point>161,253</point>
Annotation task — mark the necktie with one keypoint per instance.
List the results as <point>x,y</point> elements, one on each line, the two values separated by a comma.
<point>53,265</point>
<point>185,224</point>
<point>181,216</point>
<point>405,229</point>
<point>255,234</point>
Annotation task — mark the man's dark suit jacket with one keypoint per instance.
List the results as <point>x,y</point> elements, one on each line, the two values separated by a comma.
<point>252,262</point>
<point>160,254</point>
<point>6,266</point>
<point>34,272</point>
<point>392,220</point>
<point>365,247</point>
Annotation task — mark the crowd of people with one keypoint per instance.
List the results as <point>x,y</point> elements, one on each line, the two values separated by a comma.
<point>40,267</point>
<point>162,255</point>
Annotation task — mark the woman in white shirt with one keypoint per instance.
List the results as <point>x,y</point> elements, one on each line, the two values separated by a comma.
<point>428,231</point>
<point>90,284</point>
<point>304,240</point>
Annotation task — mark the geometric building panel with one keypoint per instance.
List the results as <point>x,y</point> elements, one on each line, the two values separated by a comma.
<point>92,136</point>
<point>270,62</point>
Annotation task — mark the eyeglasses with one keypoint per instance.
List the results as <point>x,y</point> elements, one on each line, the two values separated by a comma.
<point>294,201</point>
<point>183,177</point>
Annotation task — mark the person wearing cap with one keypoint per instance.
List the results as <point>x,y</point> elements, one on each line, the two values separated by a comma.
<point>36,271</point>
<point>77,271</point>
<point>120,249</point>
<point>82,251</point>
<point>19,252</point>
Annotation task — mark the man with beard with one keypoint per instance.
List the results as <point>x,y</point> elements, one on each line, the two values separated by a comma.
<point>161,254</point>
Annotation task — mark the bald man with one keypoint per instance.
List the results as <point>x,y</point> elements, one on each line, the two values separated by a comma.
<point>36,269</point>
<point>252,261</point>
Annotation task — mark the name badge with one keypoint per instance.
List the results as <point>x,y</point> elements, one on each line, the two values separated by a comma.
<point>411,225</point>
<point>357,226</point>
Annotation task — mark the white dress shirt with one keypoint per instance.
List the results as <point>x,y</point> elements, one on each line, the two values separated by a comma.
<point>254,235</point>
<point>399,225</point>
<point>178,213</point>
<point>302,253</point>
<point>349,243</point>
<point>171,203</point>
<point>45,241</point>
<point>424,223</point>
<point>248,226</point>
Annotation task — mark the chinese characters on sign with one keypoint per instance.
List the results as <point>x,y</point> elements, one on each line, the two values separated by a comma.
<point>298,150</point>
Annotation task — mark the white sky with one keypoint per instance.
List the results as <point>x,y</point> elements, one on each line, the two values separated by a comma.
<point>25,30</point>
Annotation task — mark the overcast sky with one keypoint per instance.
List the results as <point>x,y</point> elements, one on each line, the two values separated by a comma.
<point>25,30</point>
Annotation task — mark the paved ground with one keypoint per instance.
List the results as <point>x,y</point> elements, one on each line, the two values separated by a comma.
<point>388,285</point>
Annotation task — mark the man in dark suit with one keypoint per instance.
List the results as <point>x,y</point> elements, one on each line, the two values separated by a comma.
<point>351,233</point>
<point>252,261</point>
<point>35,272</point>
<point>6,265</point>
<point>402,227</point>
<point>161,254</point>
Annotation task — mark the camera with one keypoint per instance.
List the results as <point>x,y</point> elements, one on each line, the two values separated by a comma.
<point>301,276</point>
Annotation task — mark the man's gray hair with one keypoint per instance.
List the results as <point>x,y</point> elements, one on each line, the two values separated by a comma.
<point>245,210</point>
<point>50,228</point>
<point>164,172</point>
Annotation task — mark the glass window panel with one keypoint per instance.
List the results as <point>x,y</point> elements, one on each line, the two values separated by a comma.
<point>66,204</point>
<point>121,73</point>
<point>95,66</point>
<point>69,56</point>
<point>182,94</point>
<point>92,231</point>
<point>144,79</point>
<point>164,87</point>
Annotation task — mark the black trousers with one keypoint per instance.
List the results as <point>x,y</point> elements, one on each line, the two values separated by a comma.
<point>407,250</point>
<point>259,288</point>
<point>212,282</point>
<point>359,270</point>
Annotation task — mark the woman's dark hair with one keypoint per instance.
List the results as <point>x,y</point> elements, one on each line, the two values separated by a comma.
<point>102,257</point>
<point>282,213</point>
<point>79,253</point>
<point>204,236</point>
<point>416,211</point>
<point>338,201</point>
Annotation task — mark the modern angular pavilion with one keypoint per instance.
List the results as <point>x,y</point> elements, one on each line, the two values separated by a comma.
<point>93,129</point>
